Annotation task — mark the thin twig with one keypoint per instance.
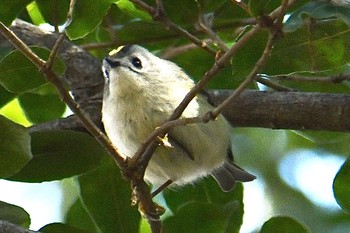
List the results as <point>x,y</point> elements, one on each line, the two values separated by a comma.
<point>218,65</point>
<point>273,36</point>
<point>159,15</point>
<point>116,43</point>
<point>273,85</point>
<point>281,9</point>
<point>259,64</point>
<point>282,12</point>
<point>54,51</point>
<point>175,51</point>
<point>27,52</point>
<point>205,26</point>
<point>70,13</point>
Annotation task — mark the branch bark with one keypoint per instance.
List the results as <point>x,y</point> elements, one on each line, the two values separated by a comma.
<point>287,110</point>
<point>7,227</point>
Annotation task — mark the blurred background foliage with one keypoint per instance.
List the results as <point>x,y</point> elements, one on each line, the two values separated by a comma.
<point>303,177</point>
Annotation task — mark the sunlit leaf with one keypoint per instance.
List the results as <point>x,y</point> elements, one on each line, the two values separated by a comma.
<point>14,214</point>
<point>14,112</point>
<point>35,13</point>
<point>60,154</point>
<point>129,8</point>
<point>341,186</point>
<point>14,147</point>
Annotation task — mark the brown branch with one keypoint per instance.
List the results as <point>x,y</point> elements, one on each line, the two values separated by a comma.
<point>259,64</point>
<point>271,84</point>
<point>263,109</point>
<point>7,227</point>
<point>287,110</point>
<point>158,14</point>
<point>205,26</point>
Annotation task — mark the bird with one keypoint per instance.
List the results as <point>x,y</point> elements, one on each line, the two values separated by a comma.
<point>141,92</point>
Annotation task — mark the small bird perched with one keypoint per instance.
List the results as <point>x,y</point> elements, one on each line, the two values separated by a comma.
<point>141,92</point>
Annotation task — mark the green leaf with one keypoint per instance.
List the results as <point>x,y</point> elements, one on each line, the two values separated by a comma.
<point>42,108</point>
<point>60,227</point>
<point>205,217</point>
<point>18,74</point>
<point>322,49</point>
<point>14,147</point>
<point>245,59</point>
<point>320,52</point>
<point>262,7</point>
<point>106,197</point>
<point>341,186</point>
<point>14,214</point>
<point>183,12</point>
<point>10,9</point>
<point>222,80</point>
<point>5,96</point>
<point>129,8</point>
<point>322,137</point>
<point>206,191</point>
<point>79,217</point>
<point>317,10</point>
<point>54,12</point>
<point>60,154</point>
<point>5,51</point>
<point>204,208</point>
<point>87,16</point>
<point>131,31</point>
<point>283,224</point>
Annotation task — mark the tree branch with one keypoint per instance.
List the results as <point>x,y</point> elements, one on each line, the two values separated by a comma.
<point>7,227</point>
<point>277,110</point>
<point>287,110</point>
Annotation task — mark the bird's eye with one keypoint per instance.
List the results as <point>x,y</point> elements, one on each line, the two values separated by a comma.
<point>136,62</point>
